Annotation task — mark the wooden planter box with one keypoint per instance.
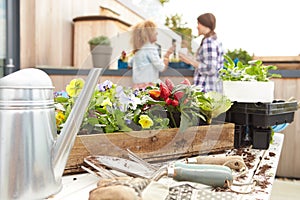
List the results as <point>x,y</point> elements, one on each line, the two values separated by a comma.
<point>154,145</point>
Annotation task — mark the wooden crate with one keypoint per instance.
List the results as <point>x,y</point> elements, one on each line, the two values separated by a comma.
<point>153,145</point>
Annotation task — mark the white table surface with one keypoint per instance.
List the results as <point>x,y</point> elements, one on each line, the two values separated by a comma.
<point>78,186</point>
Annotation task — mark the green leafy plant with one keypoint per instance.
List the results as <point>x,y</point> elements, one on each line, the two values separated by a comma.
<point>254,71</point>
<point>239,55</point>
<point>99,40</point>
<point>212,104</point>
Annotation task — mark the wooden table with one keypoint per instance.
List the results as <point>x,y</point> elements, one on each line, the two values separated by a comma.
<point>263,170</point>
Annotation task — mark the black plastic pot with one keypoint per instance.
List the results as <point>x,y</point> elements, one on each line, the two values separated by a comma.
<point>174,118</point>
<point>261,138</point>
<point>177,115</point>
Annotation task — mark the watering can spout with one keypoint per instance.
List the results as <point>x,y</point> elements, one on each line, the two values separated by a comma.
<point>66,139</point>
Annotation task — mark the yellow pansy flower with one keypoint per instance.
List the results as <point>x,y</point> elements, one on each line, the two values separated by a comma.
<point>145,121</point>
<point>60,117</point>
<point>75,87</point>
<point>106,102</point>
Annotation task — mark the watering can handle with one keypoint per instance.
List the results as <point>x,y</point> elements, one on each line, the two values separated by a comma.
<point>212,175</point>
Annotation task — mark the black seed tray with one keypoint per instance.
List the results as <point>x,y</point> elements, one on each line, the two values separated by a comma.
<point>261,114</point>
<point>276,107</point>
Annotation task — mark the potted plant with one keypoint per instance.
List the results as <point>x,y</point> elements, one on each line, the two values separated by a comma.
<point>248,82</point>
<point>101,51</point>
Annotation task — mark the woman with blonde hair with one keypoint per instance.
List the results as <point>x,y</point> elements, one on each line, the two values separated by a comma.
<point>146,62</point>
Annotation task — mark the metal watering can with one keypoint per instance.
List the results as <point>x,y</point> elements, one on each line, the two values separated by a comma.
<point>32,157</point>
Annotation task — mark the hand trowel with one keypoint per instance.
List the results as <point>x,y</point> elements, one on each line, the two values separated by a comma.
<point>212,175</point>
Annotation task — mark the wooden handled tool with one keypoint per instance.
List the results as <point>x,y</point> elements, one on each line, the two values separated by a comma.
<point>233,162</point>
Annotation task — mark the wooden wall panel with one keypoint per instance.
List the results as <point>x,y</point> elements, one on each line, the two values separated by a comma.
<point>84,30</point>
<point>47,30</point>
<point>27,33</point>
<point>289,164</point>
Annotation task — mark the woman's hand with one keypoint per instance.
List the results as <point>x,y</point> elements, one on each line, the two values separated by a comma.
<point>188,59</point>
<point>167,55</point>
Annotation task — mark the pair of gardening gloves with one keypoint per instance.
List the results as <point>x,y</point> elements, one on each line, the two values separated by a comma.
<point>128,188</point>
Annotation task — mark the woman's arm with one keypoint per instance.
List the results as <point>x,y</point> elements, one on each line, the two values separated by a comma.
<point>188,60</point>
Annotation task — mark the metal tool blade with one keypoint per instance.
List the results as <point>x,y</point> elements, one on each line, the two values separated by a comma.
<point>124,165</point>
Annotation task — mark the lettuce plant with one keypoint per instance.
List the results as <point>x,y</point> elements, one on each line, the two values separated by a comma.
<point>253,71</point>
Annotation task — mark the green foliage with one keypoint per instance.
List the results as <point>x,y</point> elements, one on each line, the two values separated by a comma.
<point>212,104</point>
<point>254,71</point>
<point>240,54</point>
<point>163,1</point>
<point>99,40</point>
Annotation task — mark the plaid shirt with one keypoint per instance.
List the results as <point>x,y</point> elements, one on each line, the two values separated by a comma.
<point>210,57</point>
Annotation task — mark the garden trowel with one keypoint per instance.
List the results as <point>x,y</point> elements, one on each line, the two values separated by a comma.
<point>212,175</point>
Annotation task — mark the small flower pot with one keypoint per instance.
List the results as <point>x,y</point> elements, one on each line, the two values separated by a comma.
<point>122,65</point>
<point>101,56</point>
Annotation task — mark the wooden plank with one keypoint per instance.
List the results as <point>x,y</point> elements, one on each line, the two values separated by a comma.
<point>289,162</point>
<point>153,145</point>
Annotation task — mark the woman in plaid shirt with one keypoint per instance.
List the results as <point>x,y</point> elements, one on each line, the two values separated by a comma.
<point>209,56</point>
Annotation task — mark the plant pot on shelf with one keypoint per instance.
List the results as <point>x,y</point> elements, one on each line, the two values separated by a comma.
<point>101,51</point>
<point>249,91</point>
<point>122,64</point>
<point>101,55</point>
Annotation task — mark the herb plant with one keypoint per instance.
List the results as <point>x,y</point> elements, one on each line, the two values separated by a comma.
<point>99,40</point>
<point>253,71</point>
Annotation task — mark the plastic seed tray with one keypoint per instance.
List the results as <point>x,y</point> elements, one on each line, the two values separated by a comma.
<point>262,114</point>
